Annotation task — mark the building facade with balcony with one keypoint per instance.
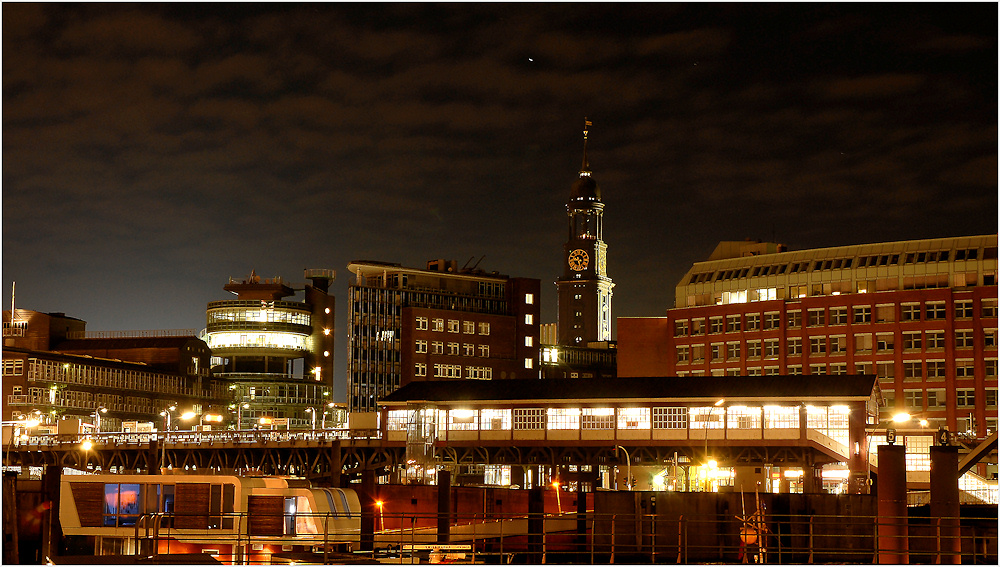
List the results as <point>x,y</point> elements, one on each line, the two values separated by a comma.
<point>438,323</point>
<point>54,370</point>
<point>921,315</point>
<point>274,354</point>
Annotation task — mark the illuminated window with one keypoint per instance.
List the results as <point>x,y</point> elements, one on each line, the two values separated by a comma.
<point>633,418</point>
<point>453,325</point>
<point>484,351</point>
<point>121,504</point>
<point>564,418</point>
<point>420,347</point>
<point>421,323</point>
<point>396,420</point>
<point>469,327</point>
<point>447,371</point>
<point>468,349</point>
<point>462,420</point>
<point>918,449</point>
<point>453,349</point>
<point>484,328</point>
<point>420,369</point>
<point>438,325</point>
<point>479,372</point>
<point>495,419</point>
<point>529,363</point>
<point>598,418</point>
<point>529,418</point>
<point>529,318</point>
<point>708,417</point>
<point>529,298</point>
<point>781,417</point>
<point>742,417</point>
<point>437,347</point>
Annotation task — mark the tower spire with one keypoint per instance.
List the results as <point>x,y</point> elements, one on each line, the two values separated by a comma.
<point>586,129</point>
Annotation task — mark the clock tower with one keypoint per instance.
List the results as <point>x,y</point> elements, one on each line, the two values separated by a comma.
<point>584,288</point>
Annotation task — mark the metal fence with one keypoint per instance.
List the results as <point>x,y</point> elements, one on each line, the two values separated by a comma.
<point>570,538</point>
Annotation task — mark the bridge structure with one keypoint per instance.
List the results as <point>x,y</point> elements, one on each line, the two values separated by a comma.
<point>329,453</point>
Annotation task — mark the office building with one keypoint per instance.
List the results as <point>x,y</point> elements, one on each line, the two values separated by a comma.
<point>920,314</point>
<point>438,323</point>
<point>275,354</point>
<point>55,372</point>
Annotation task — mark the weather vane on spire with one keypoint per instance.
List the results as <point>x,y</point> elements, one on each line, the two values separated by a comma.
<point>586,129</point>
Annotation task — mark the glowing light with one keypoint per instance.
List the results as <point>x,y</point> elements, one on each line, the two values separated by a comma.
<point>326,331</point>
<point>901,417</point>
<point>87,445</point>
<point>188,415</point>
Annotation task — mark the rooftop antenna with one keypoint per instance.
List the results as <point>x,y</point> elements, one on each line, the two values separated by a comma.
<point>13,313</point>
<point>471,258</point>
<point>477,263</point>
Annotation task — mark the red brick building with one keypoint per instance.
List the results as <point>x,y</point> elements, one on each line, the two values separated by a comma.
<point>921,315</point>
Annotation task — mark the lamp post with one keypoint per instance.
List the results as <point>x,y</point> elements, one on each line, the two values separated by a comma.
<point>166,431</point>
<point>890,437</point>
<point>628,463</point>
<point>97,417</point>
<point>708,422</point>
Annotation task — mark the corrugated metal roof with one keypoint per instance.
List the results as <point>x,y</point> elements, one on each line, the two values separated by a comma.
<point>706,387</point>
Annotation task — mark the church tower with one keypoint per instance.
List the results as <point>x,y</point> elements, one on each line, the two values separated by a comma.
<point>584,288</point>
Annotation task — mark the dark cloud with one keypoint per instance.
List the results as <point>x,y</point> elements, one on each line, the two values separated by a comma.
<point>153,151</point>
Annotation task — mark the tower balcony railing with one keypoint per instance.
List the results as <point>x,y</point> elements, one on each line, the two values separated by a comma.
<point>257,303</point>
<point>258,327</point>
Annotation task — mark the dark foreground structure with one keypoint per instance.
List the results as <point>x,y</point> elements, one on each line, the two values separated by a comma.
<point>428,523</point>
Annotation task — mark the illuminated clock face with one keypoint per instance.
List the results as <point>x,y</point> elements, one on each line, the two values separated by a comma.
<point>578,260</point>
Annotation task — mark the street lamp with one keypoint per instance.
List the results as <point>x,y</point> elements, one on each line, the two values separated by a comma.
<point>322,423</point>
<point>708,423</point>
<point>890,437</point>
<point>166,416</point>
<point>312,412</point>
<point>97,417</point>
<point>628,471</point>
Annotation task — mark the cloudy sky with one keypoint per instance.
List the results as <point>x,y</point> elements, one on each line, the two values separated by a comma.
<point>151,152</point>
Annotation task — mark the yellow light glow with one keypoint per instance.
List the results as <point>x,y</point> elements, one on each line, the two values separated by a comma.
<point>264,421</point>
<point>326,331</point>
<point>31,423</point>
<point>901,417</point>
<point>923,423</point>
<point>87,445</point>
<point>212,417</point>
<point>188,415</point>
<point>462,413</point>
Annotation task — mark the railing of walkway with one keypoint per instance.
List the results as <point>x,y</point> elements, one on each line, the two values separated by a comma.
<point>566,538</point>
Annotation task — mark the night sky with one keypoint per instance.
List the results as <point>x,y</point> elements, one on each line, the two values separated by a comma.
<point>152,152</point>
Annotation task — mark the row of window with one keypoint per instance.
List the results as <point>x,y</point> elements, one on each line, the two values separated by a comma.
<point>85,374</point>
<point>912,370</point>
<point>453,349</point>
<point>844,263</point>
<point>822,316</point>
<point>936,398</point>
<point>456,370</point>
<point>831,420</point>
<point>822,345</point>
<point>454,326</point>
